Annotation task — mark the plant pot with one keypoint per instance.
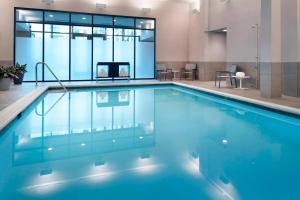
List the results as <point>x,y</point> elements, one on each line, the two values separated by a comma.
<point>19,80</point>
<point>5,84</point>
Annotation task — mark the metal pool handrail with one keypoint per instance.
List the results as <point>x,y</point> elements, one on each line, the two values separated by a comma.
<point>56,102</point>
<point>47,66</point>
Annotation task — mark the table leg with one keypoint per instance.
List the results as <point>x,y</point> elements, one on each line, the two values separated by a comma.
<point>241,82</point>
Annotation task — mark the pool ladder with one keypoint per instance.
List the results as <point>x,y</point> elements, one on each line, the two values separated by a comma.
<point>47,66</point>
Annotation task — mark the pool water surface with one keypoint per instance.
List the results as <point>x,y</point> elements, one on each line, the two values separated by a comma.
<point>152,142</point>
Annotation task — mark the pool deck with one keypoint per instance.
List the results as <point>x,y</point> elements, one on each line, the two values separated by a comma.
<point>15,100</point>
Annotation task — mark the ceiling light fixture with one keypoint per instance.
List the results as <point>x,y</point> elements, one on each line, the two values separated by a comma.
<point>51,16</point>
<point>101,6</point>
<point>146,10</point>
<point>84,18</point>
<point>48,1</point>
<point>196,6</point>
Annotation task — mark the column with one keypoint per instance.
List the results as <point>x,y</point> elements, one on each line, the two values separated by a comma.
<point>270,68</point>
<point>290,49</point>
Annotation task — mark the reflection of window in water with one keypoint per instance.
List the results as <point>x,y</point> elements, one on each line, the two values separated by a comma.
<point>102,97</point>
<point>123,96</point>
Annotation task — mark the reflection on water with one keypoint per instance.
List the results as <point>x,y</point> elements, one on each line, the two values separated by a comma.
<point>148,143</point>
<point>106,125</point>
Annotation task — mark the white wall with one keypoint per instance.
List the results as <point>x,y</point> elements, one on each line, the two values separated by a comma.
<point>181,35</point>
<point>217,47</point>
<point>238,16</point>
<point>172,22</point>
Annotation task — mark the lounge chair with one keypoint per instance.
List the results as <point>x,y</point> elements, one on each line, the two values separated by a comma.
<point>163,72</point>
<point>189,71</point>
<point>225,75</point>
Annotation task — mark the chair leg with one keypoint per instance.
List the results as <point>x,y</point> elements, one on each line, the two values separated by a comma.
<point>235,83</point>
<point>215,81</point>
<point>219,82</point>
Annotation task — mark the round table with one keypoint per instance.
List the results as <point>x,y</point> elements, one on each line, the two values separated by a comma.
<point>241,78</point>
<point>175,72</point>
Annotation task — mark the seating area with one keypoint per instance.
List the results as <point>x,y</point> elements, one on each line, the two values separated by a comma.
<point>231,76</point>
<point>187,72</point>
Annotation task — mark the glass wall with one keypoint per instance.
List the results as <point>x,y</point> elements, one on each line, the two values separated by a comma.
<point>73,43</point>
<point>29,40</point>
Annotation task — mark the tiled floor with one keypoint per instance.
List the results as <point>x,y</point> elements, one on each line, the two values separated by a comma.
<point>17,92</point>
<point>250,93</point>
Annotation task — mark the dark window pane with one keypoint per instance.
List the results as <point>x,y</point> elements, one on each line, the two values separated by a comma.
<point>103,20</point>
<point>52,17</point>
<point>145,24</point>
<point>124,22</point>
<point>29,16</point>
<point>81,19</point>
<point>27,28</point>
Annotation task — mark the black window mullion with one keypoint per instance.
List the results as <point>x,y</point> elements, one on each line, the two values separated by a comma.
<point>134,51</point>
<point>70,41</point>
<point>113,40</point>
<point>43,51</point>
<point>92,56</point>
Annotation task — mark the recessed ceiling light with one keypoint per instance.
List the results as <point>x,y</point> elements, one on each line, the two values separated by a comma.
<point>114,20</point>
<point>84,18</point>
<point>51,16</point>
<point>141,22</point>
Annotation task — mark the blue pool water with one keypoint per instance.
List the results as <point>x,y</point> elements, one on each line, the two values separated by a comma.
<point>138,143</point>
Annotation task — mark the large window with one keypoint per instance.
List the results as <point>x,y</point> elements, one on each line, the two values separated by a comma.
<point>72,43</point>
<point>29,40</point>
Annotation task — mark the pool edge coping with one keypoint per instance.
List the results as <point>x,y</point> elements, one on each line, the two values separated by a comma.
<point>11,112</point>
<point>267,105</point>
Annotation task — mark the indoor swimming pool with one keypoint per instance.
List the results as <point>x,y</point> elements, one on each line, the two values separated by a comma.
<point>148,142</point>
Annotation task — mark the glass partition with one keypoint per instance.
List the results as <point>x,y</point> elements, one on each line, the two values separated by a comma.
<point>81,53</point>
<point>57,51</point>
<point>123,46</point>
<point>144,53</point>
<point>29,47</point>
<point>73,43</point>
<point>102,47</point>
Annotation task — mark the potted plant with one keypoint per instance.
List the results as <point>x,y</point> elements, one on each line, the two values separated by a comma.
<point>20,70</point>
<point>6,75</point>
